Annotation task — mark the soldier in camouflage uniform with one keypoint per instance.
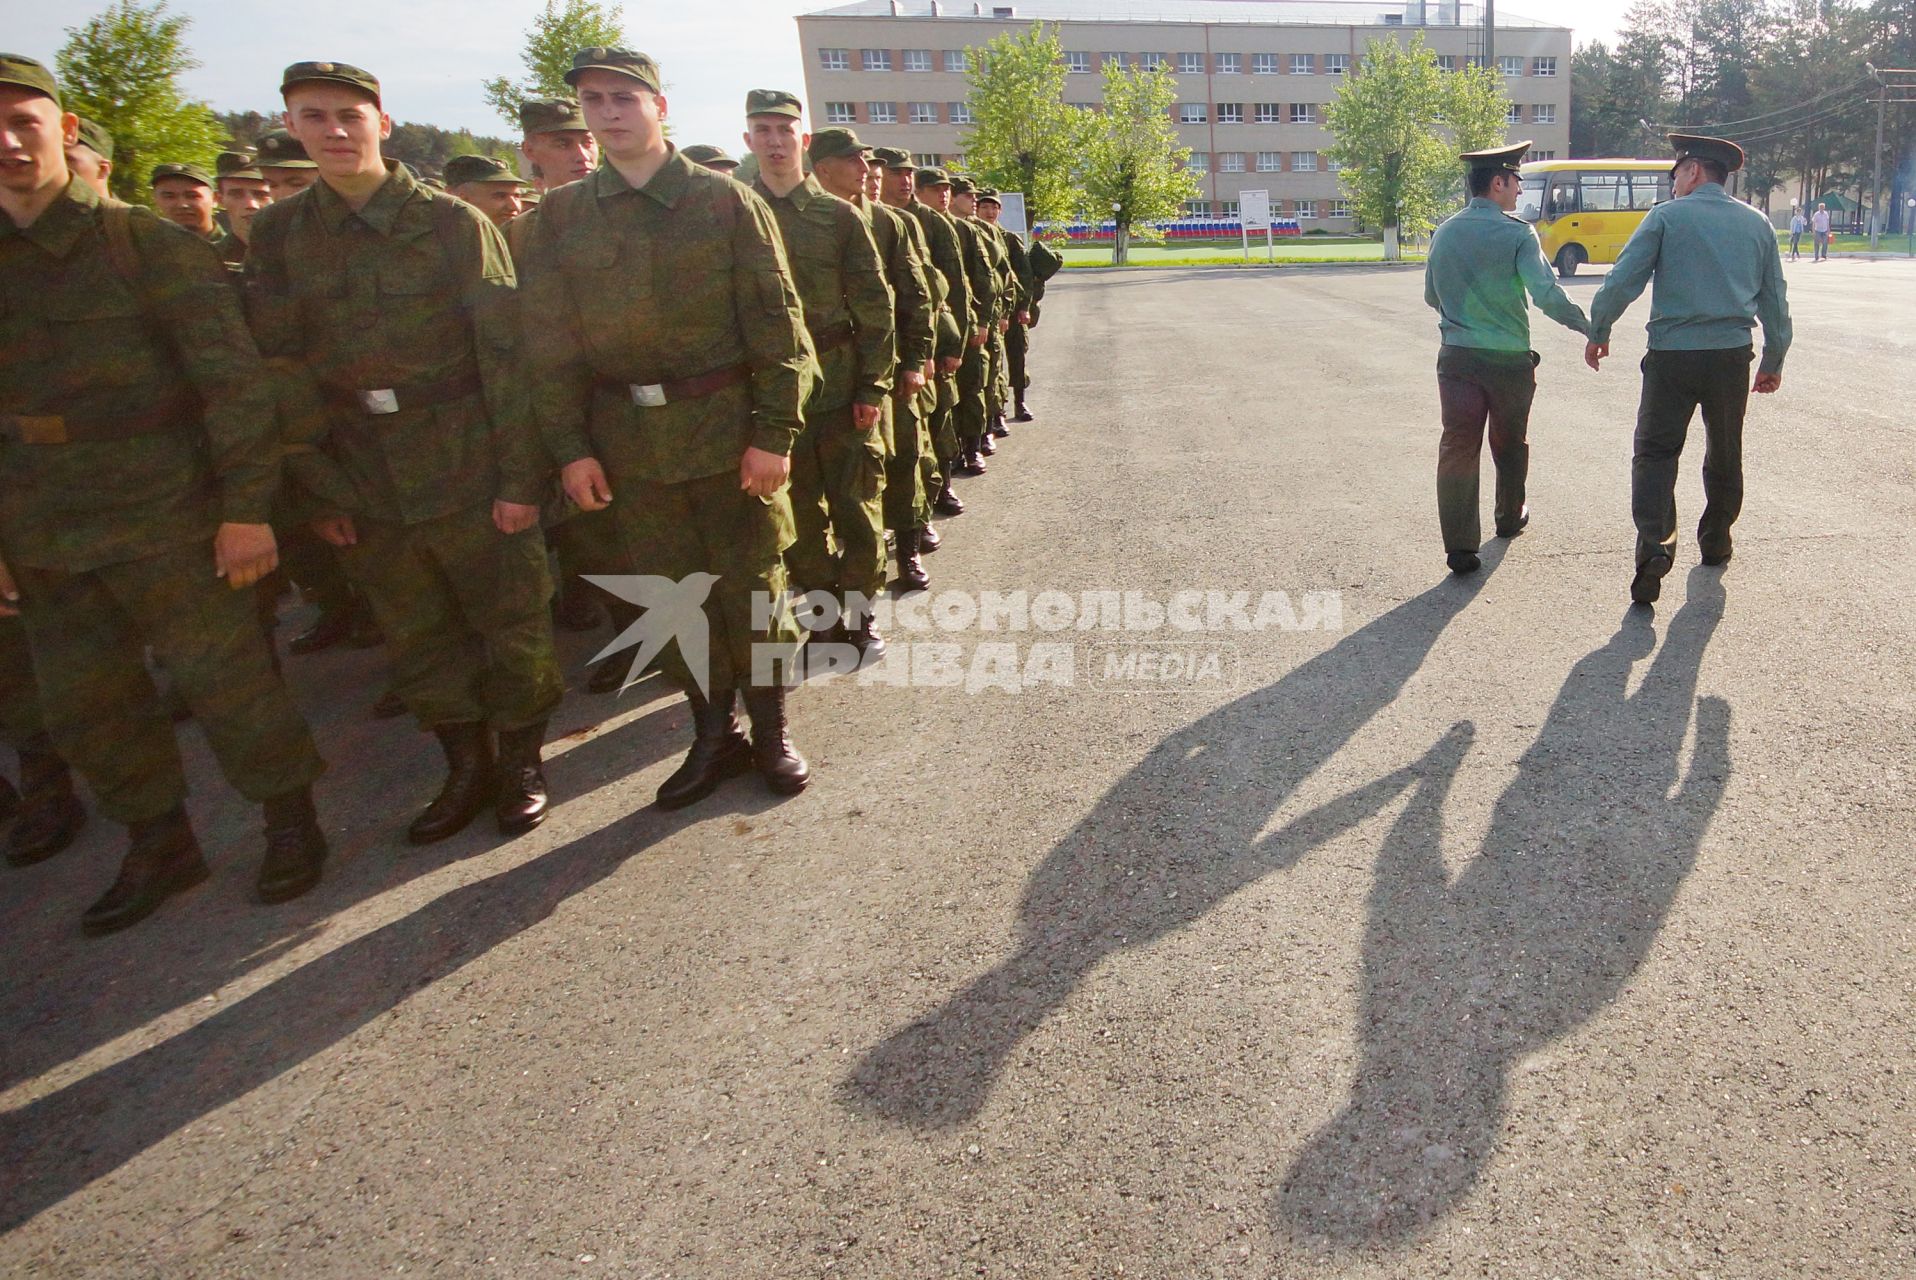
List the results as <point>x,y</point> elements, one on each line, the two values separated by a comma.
<point>242,192</point>
<point>138,468</point>
<point>90,158</point>
<point>671,366</point>
<point>555,142</point>
<point>996,382</point>
<point>969,418</point>
<point>894,173</point>
<point>45,813</point>
<point>843,166</point>
<point>930,202</point>
<point>284,164</point>
<point>487,185</point>
<point>424,464</point>
<point>183,194</point>
<point>1029,288</point>
<point>1008,348</point>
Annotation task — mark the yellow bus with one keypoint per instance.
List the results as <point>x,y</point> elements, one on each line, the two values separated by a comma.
<point>1585,210</point>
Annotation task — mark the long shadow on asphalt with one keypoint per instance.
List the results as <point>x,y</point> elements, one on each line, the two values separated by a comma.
<point>1461,978</point>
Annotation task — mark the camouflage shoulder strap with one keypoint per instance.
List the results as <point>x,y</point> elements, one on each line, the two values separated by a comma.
<point>116,222</point>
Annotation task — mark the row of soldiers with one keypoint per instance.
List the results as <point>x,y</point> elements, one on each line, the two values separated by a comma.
<point>651,370</point>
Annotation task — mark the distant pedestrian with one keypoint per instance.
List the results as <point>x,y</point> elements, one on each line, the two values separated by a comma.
<point>1798,225</point>
<point>1820,224</point>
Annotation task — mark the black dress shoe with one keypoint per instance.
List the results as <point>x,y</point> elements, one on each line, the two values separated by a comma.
<point>929,539</point>
<point>719,751</point>
<point>388,705</point>
<point>778,762</point>
<point>1648,584</point>
<point>50,814</point>
<point>520,799</point>
<point>468,786</point>
<point>1512,530</point>
<point>162,859</point>
<point>295,848</point>
<point>1462,562</point>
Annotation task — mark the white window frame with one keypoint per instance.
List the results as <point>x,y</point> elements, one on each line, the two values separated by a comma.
<point>1229,64</point>
<point>1299,208</point>
<point>1230,162</point>
<point>1077,62</point>
<point>1230,113</point>
<point>1198,162</point>
<point>1303,162</point>
<point>1150,61</point>
<point>1303,113</point>
<point>1331,165</point>
<point>1267,113</point>
<point>1193,113</point>
<point>926,159</point>
<point>834,60</point>
<point>922,113</point>
<point>1263,64</point>
<point>841,113</point>
<point>1337,64</point>
<point>1197,208</point>
<point>1515,114</point>
<point>874,59</point>
<point>1544,113</point>
<point>1339,209</point>
<point>915,57</point>
<point>1190,64</point>
<point>1227,208</point>
<point>1510,64</point>
<point>1270,162</point>
<point>960,113</point>
<point>1303,64</point>
<point>1118,58</point>
<point>881,112</point>
<point>1446,62</point>
<point>1543,66</point>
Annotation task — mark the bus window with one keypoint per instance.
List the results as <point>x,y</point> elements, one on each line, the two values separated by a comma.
<point>1601,195</point>
<point>1530,200</point>
<point>1647,189</point>
<point>1563,198</point>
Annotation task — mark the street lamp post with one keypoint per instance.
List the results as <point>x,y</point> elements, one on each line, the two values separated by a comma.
<point>1909,226</point>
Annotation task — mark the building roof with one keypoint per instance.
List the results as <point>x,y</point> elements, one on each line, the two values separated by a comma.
<point>1317,13</point>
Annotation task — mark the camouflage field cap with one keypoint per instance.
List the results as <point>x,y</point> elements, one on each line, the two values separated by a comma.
<point>962,186</point>
<point>989,194</point>
<point>24,73</point>
<point>893,157</point>
<point>238,164</point>
<point>828,144</point>
<point>95,138</point>
<point>330,73</point>
<point>279,149</point>
<point>708,155</point>
<point>1694,146</point>
<point>191,172</point>
<point>550,115</point>
<point>464,169</point>
<point>530,198</point>
<point>773,102</point>
<point>625,62</point>
<point>933,177</point>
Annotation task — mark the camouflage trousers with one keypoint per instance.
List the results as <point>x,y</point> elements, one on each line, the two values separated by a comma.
<point>838,477</point>
<point>968,418</point>
<point>463,607</point>
<point>1017,348</point>
<point>710,525</point>
<point>907,484</point>
<point>88,633</point>
<point>19,692</point>
<point>997,376</point>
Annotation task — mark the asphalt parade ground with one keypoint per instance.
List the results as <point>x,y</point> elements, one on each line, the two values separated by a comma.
<point>1391,926</point>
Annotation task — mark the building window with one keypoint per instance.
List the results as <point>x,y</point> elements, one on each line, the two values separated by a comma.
<point>1150,61</point>
<point>1511,65</point>
<point>1230,162</point>
<point>1306,210</point>
<point>1303,162</point>
<point>1337,64</point>
<point>917,59</point>
<point>1263,64</point>
<point>834,60</point>
<point>1544,113</point>
<point>1113,58</point>
<point>1230,113</point>
<point>1303,64</point>
<point>958,113</point>
<point>840,113</point>
<point>1270,162</point>
<point>875,59</point>
<point>1514,115</point>
<point>1190,64</point>
<point>1228,209</point>
<point>1230,64</point>
<point>1544,155</point>
<point>1267,113</point>
<point>1446,62</point>
<point>881,112</point>
<point>956,160</point>
<point>1543,66</point>
<point>1303,113</point>
<point>1333,165</point>
<point>1197,208</point>
<point>1339,209</point>
<point>925,159</point>
<point>1191,113</point>
<point>1198,162</point>
<point>1077,63</point>
<point>923,112</point>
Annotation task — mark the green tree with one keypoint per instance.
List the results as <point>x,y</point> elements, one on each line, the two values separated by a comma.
<point>556,34</point>
<point>1399,124</point>
<point>1132,163</point>
<point>1024,137</point>
<point>121,68</point>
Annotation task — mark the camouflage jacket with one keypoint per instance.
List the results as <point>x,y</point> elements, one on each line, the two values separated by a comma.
<point>980,273</point>
<point>905,272</point>
<point>677,279</point>
<point>948,341</point>
<point>413,294</point>
<point>948,256</point>
<point>134,412</point>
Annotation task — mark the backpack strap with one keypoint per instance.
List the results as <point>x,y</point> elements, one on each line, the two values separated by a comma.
<point>116,221</point>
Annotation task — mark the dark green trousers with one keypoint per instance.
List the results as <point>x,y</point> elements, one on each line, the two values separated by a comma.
<point>838,477</point>
<point>1482,392</point>
<point>1675,385</point>
<point>20,720</point>
<point>1017,347</point>
<point>464,610</point>
<point>89,633</point>
<point>968,418</point>
<point>907,503</point>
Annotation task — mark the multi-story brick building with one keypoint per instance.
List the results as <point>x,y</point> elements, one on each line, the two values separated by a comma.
<point>1253,77</point>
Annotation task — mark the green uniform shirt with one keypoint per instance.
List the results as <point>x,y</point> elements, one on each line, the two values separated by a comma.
<point>842,286</point>
<point>80,344</point>
<point>414,294</point>
<point>948,257</point>
<point>1021,268</point>
<point>1718,274</point>
<point>1481,262</point>
<point>682,277</point>
<point>905,272</point>
<point>947,340</point>
<point>981,279</point>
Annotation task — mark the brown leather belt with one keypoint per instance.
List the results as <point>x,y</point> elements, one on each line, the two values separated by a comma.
<point>651,395</point>
<point>407,395</point>
<point>832,339</point>
<point>171,413</point>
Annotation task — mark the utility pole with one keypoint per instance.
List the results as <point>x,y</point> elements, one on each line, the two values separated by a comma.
<point>1490,34</point>
<point>1876,190</point>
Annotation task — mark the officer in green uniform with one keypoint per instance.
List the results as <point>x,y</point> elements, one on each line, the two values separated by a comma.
<point>487,185</point>
<point>183,194</point>
<point>671,366</point>
<point>713,158</point>
<point>1718,274</point>
<point>1482,261</point>
<point>843,166</point>
<point>137,467</point>
<point>1025,295</point>
<point>838,464</point>
<point>283,162</point>
<point>242,192</point>
<point>424,464</point>
<point>931,205</point>
<point>90,158</point>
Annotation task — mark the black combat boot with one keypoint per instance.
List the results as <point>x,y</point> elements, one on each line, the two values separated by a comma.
<point>295,847</point>
<point>50,814</point>
<point>861,633</point>
<point>911,568</point>
<point>162,859</point>
<point>1023,414</point>
<point>573,608</point>
<point>609,675</point>
<point>986,445</point>
<point>974,462</point>
<point>784,770</point>
<point>946,503</point>
<point>719,751</point>
<point>520,801</point>
<point>929,540</point>
<point>468,786</point>
<point>998,427</point>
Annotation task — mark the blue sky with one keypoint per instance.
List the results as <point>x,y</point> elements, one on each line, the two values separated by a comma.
<point>430,55</point>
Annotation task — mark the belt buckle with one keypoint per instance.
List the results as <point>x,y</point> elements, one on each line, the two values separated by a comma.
<point>384,400</point>
<point>649,396</point>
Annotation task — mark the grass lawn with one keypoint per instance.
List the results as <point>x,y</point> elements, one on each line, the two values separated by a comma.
<point>1227,253</point>
<point>1847,244</point>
